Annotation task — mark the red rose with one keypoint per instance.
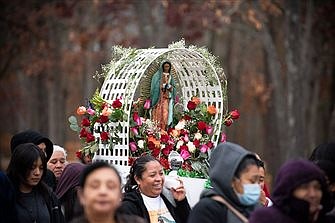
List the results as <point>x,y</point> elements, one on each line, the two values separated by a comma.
<point>83,133</point>
<point>228,122</point>
<point>155,152</point>
<point>90,137</point>
<point>191,105</point>
<point>166,151</point>
<point>187,117</point>
<point>104,136</point>
<point>235,114</point>
<point>196,143</point>
<point>117,104</point>
<point>183,147</point>
<point>131,160</point>
<point>85,122</point>
<point>164,138</point>
<point>202,125</point>
<point>187,166</point>
<point>151,145</point>
<point>210,144</point>
<point>103,119</point>
<point>165,163</point>
<point>78,154</point>
<point>183,132</point>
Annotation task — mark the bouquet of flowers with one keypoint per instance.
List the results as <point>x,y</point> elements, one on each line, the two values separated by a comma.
<point>190,136</point>
<point>100,123</point>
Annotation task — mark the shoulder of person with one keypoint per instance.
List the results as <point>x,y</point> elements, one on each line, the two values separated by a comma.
<point>132,196</point>
<point>265,214</point>
<point>208,208</point>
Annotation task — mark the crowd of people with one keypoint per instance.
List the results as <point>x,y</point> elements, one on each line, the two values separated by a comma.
<point>40,185</point>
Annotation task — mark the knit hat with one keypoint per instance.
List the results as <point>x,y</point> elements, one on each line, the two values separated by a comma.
<point>32,137</point>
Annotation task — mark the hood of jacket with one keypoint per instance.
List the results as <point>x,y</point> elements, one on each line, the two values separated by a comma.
<point>290,176</point>
<point>31,136</point>
<point>224,161</point>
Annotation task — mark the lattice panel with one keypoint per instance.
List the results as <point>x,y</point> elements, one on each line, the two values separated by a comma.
<point>192,75</point>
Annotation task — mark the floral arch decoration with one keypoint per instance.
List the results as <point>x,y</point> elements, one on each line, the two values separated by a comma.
<point>196,73</point>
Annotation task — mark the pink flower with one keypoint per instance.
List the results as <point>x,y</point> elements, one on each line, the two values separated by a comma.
<point>223,137</point>
<point>185,154</point>
<point>137,119</point>
<point>134,131</point>
<point>204,148</point>
<point>90,111</point>
<point>147,104</point>
<point>133,146</point>
<point>186,138</point>
<point>209,129</point>
<point>176,101</point>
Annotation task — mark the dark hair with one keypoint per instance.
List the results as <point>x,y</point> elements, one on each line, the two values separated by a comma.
<point>261,163</point>
<point>22,161</point>
<point>93,167</point>
<point>167,62</point>
<point>324,151</point>
<point>247,161</point>
<point>137,170</point>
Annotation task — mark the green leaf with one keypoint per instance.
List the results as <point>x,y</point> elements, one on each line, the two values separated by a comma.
<point>73,123</point>
<point>73,120</point>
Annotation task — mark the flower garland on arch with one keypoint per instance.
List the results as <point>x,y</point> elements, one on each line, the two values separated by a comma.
<point>100,123</point>
<point>190,135</point>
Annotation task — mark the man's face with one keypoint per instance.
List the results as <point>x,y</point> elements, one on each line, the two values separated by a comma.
<point>43,147</point>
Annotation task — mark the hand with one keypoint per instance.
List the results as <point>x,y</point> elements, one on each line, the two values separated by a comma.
<point>179,192</point>
<point>262,198</point>
<point>165,78</point>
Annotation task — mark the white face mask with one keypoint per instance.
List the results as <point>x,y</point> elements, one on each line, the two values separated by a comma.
<point>250,195</point>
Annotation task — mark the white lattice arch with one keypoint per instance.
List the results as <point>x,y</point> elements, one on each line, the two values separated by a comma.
<point>195,76</point>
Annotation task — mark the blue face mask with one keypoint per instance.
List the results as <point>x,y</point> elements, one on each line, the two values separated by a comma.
<point>251,194</point>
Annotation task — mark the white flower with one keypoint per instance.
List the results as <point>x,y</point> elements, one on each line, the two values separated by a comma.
<point>180,125</point>
<point>162,146</point>
<point>197,135</point>
<point>191,147</point>
<point>140,143</point>
<point>179,144</point>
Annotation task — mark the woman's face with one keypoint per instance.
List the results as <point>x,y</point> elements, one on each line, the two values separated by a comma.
<point>249,176</point>
<point>310,192</point>
<point>101,194</point>
<point>261,177</point>
<point>166,67</point>
<point>57,163</point>
<point>34,175</point>
<point>151,183</point>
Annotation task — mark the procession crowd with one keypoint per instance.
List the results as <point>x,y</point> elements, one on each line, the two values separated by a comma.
<point>40,185</point>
